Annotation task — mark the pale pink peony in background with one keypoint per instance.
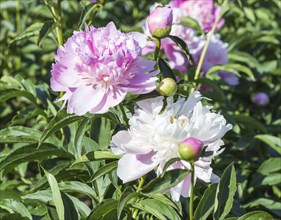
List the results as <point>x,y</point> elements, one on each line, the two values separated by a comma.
<point>203,11</point>
<point>216,55</point>
<point>260,98</point>
<point>153,139</point>
<point>97,67</point>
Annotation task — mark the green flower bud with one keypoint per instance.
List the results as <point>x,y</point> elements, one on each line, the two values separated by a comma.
<point>167,87</point>
<point>190,149</point>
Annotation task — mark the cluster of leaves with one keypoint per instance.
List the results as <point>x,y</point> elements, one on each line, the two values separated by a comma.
<point>57,166</point>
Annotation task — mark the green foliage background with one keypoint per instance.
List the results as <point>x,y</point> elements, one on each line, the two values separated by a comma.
<point>43,149</point>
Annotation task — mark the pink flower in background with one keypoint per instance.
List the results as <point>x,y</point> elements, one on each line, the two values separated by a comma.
<point>176,57</point>
<point>153,139</point>
<point>260,98</point>
<point>203,11</point>
<point>160,21</point>
<point>97,67</point>
<point>216,55</point>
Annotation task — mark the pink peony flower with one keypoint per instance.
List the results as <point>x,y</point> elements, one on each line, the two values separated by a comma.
<point>160,21</point>
<point>216,55</point>
<point>203,11</point>
<point>260,98</point>
<point>155,134</point>
<point>97,67</point>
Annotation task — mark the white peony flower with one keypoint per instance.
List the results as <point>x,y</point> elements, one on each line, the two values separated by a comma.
<point>153,139</point>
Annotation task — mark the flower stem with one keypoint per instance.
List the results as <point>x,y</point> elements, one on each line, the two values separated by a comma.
<point>124,115</point>
<point>157,49</point>
<point>141,182</point>
<point>191,193</point>
<point>200,63</point>
<point>57,18</point>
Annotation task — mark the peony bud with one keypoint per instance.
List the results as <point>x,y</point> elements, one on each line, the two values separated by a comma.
<point>190,149</point>
<point>260,98</point>
<point>160,21</point>
<point>167,87</point>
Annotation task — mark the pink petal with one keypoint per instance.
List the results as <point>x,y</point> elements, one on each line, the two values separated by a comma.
<point>119,141</point>
<point>132,167</point>
<point>84,99</point>
<point>111,99</point>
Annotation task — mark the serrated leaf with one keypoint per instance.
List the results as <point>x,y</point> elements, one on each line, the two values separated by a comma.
<point>182,45</point>
<point>206,203</point>
<point>225,193</point>
<point>57,198</point>
<point>161,184</point>
<point>166,69</point>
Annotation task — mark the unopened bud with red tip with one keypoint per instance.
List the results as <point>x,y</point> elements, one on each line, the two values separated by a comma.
<point>167,87</point>
<point>160,21</point>
<point>190,149</point>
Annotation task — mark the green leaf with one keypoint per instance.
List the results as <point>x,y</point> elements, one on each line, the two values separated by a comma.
<point>271,205</point>
<point>19,134</point>
<point>182,45</point>
<point>47,27</point>
<point>78,139</point>
<point>156,207</point>
<point>232,68</point>
<point>150,210</point>
<point>171,161</point>
<point>79,187</point>
<point>15,206</point>
<point>249,121</point>
<point>255,215</point>
<point>96,155</point>
<point>225,193</point>
<point>12,93</point>
<point>59,121</point>
<point>31,153</point>
<point>166,69</point>
<point>70,212</point>
<point>192,23</point>
<point>206,203</point>
<point>103,209</point>
<point>272,141</point>
<point>82,208</point>
<point>57,198</point>
<point>104,170</point>
<point>126,196</point>
<point>270,166</point>
<point>31,31</point>
<point>161,184</point>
